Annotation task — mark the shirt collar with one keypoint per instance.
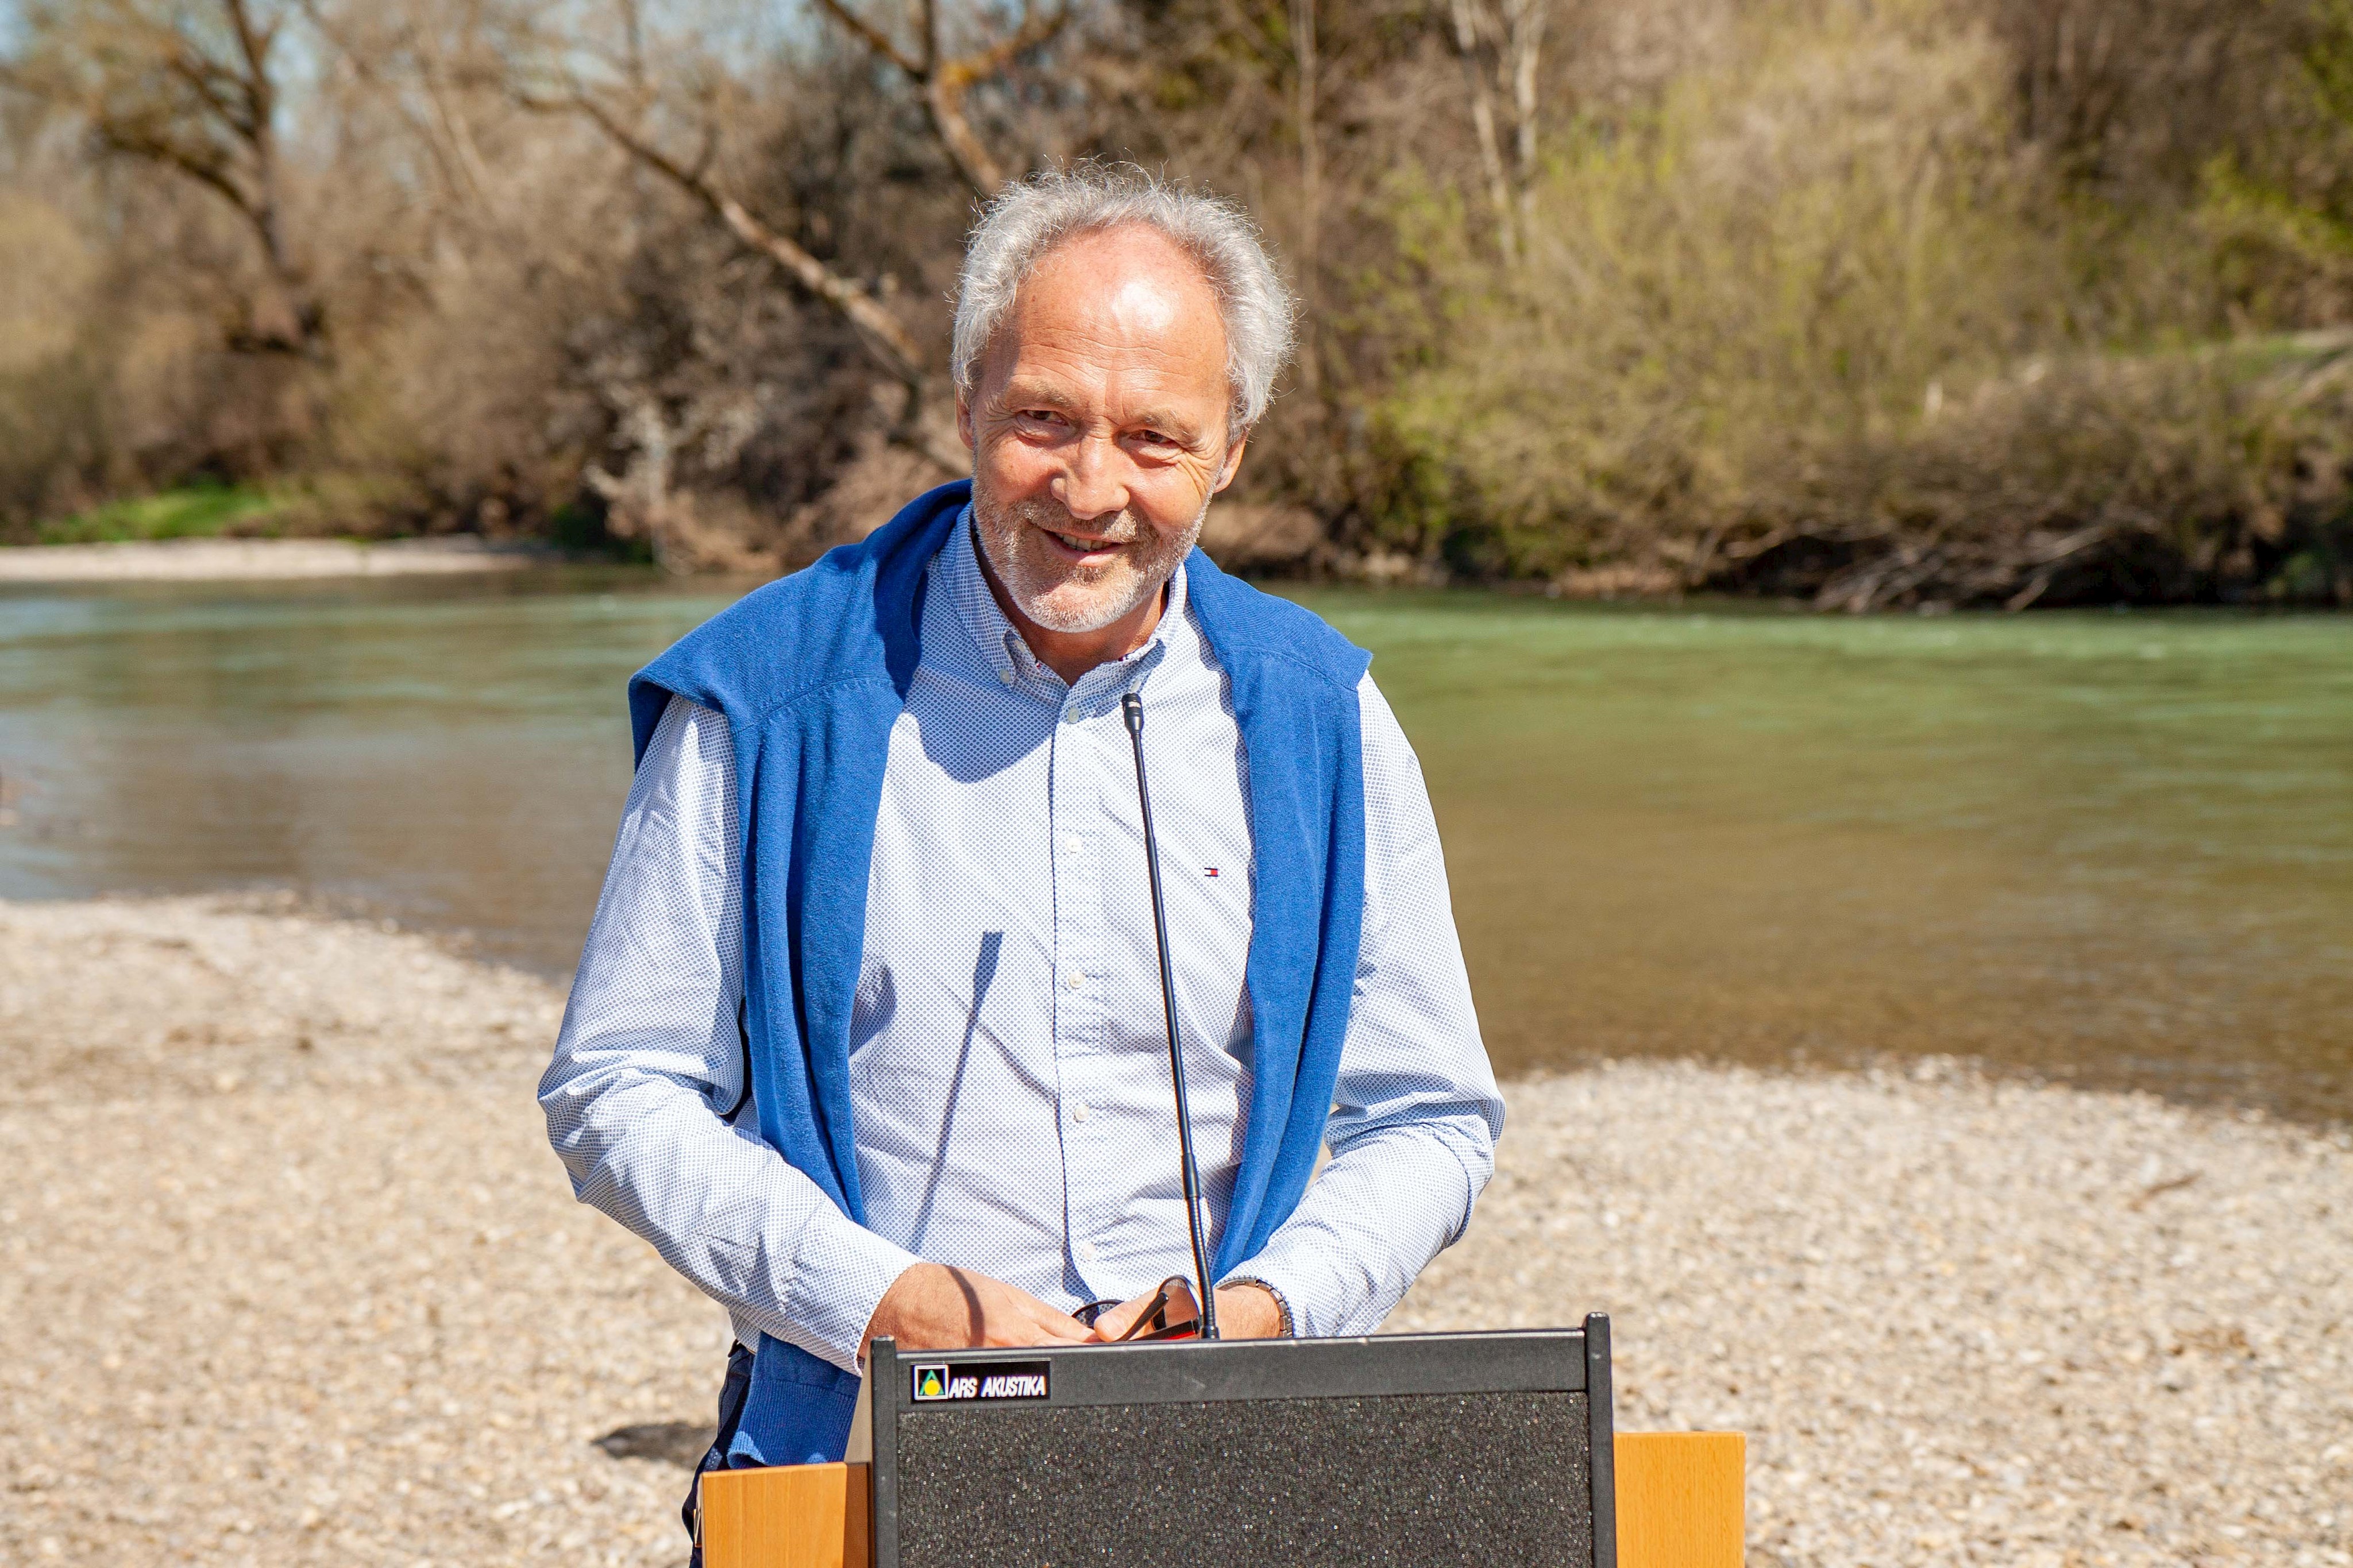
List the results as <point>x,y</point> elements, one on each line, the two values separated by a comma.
<point>1006,655</point>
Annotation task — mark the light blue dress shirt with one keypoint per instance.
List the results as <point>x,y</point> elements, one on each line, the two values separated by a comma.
<point>1007,1064</point>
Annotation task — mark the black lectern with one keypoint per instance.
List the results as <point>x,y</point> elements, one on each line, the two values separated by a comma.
<point>1489,1450</point>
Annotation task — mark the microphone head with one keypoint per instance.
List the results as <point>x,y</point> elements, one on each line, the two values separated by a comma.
<point>1132,706</point>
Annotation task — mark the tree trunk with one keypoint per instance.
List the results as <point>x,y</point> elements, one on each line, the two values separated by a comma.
<point>1482,121</point>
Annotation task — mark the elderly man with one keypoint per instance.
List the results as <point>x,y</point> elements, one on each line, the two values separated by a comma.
<point>867,1038</point>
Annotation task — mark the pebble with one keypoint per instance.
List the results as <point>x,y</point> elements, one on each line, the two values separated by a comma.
<point>287,1275</point>
<point>1961,1320</point>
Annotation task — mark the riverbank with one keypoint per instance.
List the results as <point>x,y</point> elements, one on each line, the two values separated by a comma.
<point>259,560</point>
<point>290,1277</point>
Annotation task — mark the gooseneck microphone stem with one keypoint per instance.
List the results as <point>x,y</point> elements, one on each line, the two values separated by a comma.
<point>1131,706</point>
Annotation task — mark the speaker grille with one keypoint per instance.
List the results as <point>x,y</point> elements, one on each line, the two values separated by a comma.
<point>1484,1480</point>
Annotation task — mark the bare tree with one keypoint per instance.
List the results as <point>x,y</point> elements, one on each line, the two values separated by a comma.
<point>192,89</point>
<point>401,50</point>
<point>945,82</point>
<point>655,131</point>
<point>1524,30</point>
<point>1304,95</point>
<point>1467,17</point>
<point>1500,50</point>
<point>893,348</point>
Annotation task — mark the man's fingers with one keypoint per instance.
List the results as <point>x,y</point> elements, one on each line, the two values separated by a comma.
<point>1015,1317</point>
<point>1116,1322</point>
<point>1112,1322</point>
<point>1055,1327</point>
<point>1040,1331</point>
<point>937,1307</point>
<point>1068,1332</point>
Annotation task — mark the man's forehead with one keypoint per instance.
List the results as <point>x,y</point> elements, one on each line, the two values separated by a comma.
<point>1146,303</point>
<point>1115,264</point>
<point>1128,329</point>
<point>1122,292</point>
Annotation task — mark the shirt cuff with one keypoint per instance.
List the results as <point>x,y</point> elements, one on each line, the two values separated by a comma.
<point>1372,1221</point>
<point>840,1274</point>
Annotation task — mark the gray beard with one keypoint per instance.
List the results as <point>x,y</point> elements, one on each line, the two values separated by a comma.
<point>1061,597</point>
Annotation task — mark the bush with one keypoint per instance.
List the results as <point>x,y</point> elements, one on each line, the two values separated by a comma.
<point>1796,332</point>
<point>2181,478</point>
<point>197,512</point>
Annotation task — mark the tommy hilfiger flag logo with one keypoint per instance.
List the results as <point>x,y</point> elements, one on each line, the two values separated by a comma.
<point>1210,872</point>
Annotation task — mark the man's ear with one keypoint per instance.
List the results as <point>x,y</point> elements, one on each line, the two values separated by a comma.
<point>964,422</point>
<point>1233,464</point>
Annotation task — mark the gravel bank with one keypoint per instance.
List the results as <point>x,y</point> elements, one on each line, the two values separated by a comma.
<point>191,559</point>
<point>1962,1323</point>
<point>287,1277</point>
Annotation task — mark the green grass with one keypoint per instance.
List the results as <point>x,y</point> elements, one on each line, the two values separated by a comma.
<point>194,511</point>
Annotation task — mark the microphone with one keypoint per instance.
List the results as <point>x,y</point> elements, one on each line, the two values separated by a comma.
<point>1131,706</point>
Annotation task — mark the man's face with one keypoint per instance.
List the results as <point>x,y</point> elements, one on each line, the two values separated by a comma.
<point>1098,428</point>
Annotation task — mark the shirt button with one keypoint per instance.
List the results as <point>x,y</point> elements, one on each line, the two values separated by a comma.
<point>1074,980</point>
<point>1086,1252</point>
<point>1005,678</point>
<point>1072,844</point>
<point>1079,1112</point>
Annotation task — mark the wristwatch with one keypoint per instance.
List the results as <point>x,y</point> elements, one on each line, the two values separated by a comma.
<point>1282,1302</point>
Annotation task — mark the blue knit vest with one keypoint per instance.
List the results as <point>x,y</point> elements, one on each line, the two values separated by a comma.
<point>811,672</point>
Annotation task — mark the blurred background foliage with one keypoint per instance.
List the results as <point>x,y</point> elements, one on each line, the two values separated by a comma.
<point>1873,302</point>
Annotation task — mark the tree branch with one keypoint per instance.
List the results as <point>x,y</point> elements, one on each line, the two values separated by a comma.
<point>209,172</point>
<point>880,42</point>
<point>1304,90</point>
<point>447,139</point>
<point>1527,37</point>
<point>883,333</point>
<point>147,88</point>
<point>1482,121</point>
<point>943,101</point>
<point>1034,32</point>
<point>222,90</point>
<point>254,85</point>
<point>945,83</point>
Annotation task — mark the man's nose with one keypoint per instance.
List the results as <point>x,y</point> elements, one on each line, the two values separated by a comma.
<point>1092,485</point>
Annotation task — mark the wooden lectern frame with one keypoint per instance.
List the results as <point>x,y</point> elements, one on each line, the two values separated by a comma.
<point>1682,1503</point>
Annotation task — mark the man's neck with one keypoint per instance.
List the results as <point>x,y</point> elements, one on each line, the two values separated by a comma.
<point>1072,654</point>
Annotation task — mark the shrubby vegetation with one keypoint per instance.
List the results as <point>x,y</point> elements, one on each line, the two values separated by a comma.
<point>1878,302</point>
<point>1820,321</point>
<point>202,510</point>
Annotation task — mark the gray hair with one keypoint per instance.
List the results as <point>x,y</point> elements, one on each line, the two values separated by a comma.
<point>1033,216</point>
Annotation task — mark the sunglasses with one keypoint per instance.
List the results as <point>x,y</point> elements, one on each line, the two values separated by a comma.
<point>1152,1323</point>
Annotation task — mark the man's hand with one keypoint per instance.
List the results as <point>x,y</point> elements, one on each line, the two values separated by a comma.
<point>1244,1312</point>
<point>931,1307</point>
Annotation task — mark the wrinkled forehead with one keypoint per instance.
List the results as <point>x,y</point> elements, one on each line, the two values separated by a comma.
<point>1117,304</point>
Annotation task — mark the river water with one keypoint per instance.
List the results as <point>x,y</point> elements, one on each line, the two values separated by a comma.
<point>2116,848</point>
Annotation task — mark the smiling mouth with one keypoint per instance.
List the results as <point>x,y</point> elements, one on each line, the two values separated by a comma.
<point>1079,545</point>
